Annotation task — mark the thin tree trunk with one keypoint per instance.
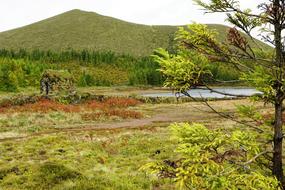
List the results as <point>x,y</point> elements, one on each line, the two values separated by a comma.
<point>277,169</point>
<point>277,149</point>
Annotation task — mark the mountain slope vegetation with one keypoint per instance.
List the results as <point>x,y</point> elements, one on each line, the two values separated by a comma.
<point>79,30</point>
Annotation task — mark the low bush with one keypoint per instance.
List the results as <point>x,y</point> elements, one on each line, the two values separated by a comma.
<point>122,102</point>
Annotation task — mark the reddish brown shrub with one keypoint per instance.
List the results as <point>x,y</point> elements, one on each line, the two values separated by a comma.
<point>44,106</point>
<point>94,105</point>
<point>111,103</point>
<point>121,102</point>
<point>100,109</point>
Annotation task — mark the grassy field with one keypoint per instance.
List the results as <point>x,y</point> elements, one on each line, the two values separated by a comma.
<point>80,30</point>
<point>85,160</point>
<point>94,144</point>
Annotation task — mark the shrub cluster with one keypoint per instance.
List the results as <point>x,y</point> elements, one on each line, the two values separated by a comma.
<point>92,109</point>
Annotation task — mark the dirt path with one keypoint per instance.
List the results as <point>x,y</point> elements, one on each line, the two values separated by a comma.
<point>162,114</point>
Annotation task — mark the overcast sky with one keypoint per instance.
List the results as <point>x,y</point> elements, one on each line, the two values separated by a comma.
<point>16,13</point>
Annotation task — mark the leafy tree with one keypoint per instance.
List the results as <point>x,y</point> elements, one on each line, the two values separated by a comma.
<point>8,77</point>
<point>261,68</point>
<point>213,159</point>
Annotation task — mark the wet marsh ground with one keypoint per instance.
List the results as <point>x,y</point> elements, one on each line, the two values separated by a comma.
<point>94,145</point>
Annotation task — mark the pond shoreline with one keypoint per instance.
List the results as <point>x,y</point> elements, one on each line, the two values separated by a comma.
<point>214,93</point>
<point>146,95</point>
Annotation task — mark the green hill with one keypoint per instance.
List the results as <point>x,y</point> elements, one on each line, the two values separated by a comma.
<point>79,30</point>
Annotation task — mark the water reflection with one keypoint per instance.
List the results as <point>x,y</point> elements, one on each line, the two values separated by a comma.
<point>205,93</point>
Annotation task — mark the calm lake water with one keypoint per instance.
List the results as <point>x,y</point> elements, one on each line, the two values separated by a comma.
<point>198,93</point>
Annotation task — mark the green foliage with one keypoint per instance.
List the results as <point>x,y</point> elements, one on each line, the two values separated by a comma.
<point>202,32</point>
<point>57,81</point>
<point>244,22</point>
<point>19,73</point>
<point>51,173</point>
<point>22,68</point>
<point>58,74</point>
<point>82,56</point>
<point>262,80</point>
<point>215,159</point>
<point>182,71</point>
<point>11,83</point>
<point>86,79</point>
<point>222,72</point>
<point>189,68</point>
<point>11,76</point>
<point>93,68</point>
<point>200,38</point>
<point>145,72</point>
<point>249,111</point>
<point>105,75</point>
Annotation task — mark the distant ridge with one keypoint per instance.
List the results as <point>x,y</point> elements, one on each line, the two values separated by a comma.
<point>79,30</point>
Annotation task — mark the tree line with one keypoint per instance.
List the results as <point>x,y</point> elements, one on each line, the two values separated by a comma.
<point>23,68</point>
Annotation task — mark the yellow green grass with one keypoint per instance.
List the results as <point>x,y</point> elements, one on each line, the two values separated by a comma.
<point>90,160</point>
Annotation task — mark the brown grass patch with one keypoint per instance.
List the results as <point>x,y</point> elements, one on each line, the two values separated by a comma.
<point>125,114</point>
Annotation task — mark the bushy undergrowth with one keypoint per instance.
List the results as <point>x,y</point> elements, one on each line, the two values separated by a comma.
<point>216,159</point>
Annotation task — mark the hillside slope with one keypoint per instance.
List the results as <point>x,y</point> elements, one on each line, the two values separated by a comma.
<point>78,30</point>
